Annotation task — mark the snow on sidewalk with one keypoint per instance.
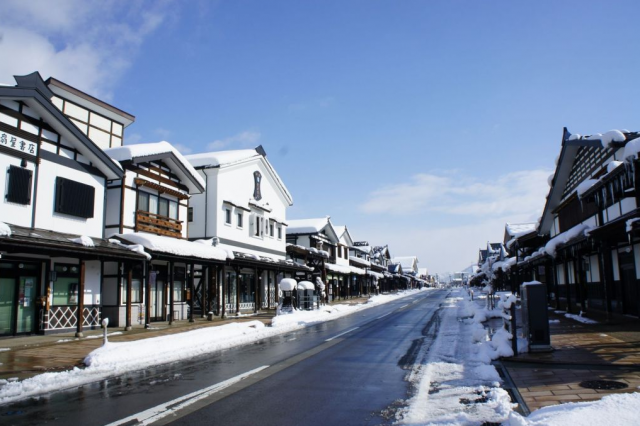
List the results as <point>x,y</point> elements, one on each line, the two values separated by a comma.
<point>119,358</point>
<point>455,384</point>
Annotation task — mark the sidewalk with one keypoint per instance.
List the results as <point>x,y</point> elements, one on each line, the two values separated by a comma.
<point>26,356</point>
<point>582,352</point>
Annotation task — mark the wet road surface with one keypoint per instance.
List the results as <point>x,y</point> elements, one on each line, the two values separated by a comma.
<point>350,371</point>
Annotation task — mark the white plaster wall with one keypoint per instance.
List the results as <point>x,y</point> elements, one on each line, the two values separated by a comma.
<point>236,183</point>
<point>16,214</point>
<point>627,204</point>
<point>92,278</point>
<point>113,207</point>
<point>46,218</point>
<point>197,201</point>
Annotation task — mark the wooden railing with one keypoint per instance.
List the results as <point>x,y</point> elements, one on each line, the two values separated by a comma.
<point>158,224</point>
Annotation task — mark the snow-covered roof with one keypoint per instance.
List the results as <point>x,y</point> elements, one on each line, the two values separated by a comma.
<point>563,238</point>
<point>359,261</point>
<point>307,226</point>
<point>342,269</point>
<point>229,158</point>
<point>160,150</point>
<point>176,246</point>
<point>221,158</point>
<point>407,262</point>
<point>518,229</point>
<point>375,274</point>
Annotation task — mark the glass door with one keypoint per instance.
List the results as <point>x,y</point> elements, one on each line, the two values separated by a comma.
<point>7,305</point>
<point>26,304</point>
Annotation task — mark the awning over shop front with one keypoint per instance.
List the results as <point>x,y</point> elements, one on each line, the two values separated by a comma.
<point>159,246</point>
<point>44,242</point>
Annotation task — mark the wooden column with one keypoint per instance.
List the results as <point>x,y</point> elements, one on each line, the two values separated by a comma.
<point>237,291</point>
<point>147,295</point>
<point>129,267</point>
<point>326,284</point>
<point>276,289</point>
<point>606,275</point>
<point>223,296</point>
<point>192,293</point>
<point>256,289</point>
<point>204,291</point>
<point>170,280</point>
<point>80,312</point>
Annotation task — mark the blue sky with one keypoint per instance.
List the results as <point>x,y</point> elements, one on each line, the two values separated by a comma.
<point>422,124</point>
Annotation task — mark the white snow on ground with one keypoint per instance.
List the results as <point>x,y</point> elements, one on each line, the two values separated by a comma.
<point>118,358</point>
<point>5,349</point>
<point>455,383</point>
<point>619,409</point>
<point>581,318</point>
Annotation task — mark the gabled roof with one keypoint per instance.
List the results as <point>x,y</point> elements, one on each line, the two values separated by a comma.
<point>344,235</point>
<point>82,98</point>
<point>32,90</point>
<point>381,251</point>
<point>161,151</point>
<point>222,159</point>
<point>573,146</point>
<point>407,262</point>
<point>312,226</point>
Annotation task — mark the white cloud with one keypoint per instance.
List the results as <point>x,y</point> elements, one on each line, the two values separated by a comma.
<point>454,193</point>
<point>246,139</point>
<point>88,44</point>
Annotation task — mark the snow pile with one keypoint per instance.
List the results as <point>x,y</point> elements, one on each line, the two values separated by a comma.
<point>606,139</point>
<point>114,359</point>
<point>565,237</point>
<point>288,284</point>
<point>454,387</point>
<point>585,185</point>
<point>306,285</point>
<point>5,230</point>
<point>580,318</point>
<point>631,149</point>
<point>622,409</point>
<point>612,165</point>
<point>629,224</point>
<point>133,247</point>
<point>175,246</point>
<point>83,240</point>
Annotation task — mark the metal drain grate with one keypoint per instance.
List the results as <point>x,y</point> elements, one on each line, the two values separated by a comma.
<point>603,384</point>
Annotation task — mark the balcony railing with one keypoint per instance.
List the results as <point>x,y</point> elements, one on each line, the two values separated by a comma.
<point>158,224</point>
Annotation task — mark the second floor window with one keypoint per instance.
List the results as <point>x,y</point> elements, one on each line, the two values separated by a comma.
<point>227,216</point>
<point>279,232</point>
<point>239,220</point>
<point>19,185</point>
<point>74,198</point>
<point>157,205</point>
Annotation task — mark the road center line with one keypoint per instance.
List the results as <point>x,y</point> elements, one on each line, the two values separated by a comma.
<point>341,334</point>
<point>403,306</point>
<point>388,313</point>
<point>156,413</point>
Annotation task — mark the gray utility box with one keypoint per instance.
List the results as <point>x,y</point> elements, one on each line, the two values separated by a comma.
<point>535,319</point>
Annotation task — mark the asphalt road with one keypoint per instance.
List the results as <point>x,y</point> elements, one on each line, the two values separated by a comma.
<point>351,371</point>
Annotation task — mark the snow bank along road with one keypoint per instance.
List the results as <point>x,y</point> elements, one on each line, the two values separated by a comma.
<point>346,371</point>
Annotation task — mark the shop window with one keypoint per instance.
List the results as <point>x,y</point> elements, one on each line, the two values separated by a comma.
<point>157,205</point>
<point>74,198</point>
<point>136,285</point>
<point>19,185</point>
<point>65,284</point>
<point>179,279</point>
